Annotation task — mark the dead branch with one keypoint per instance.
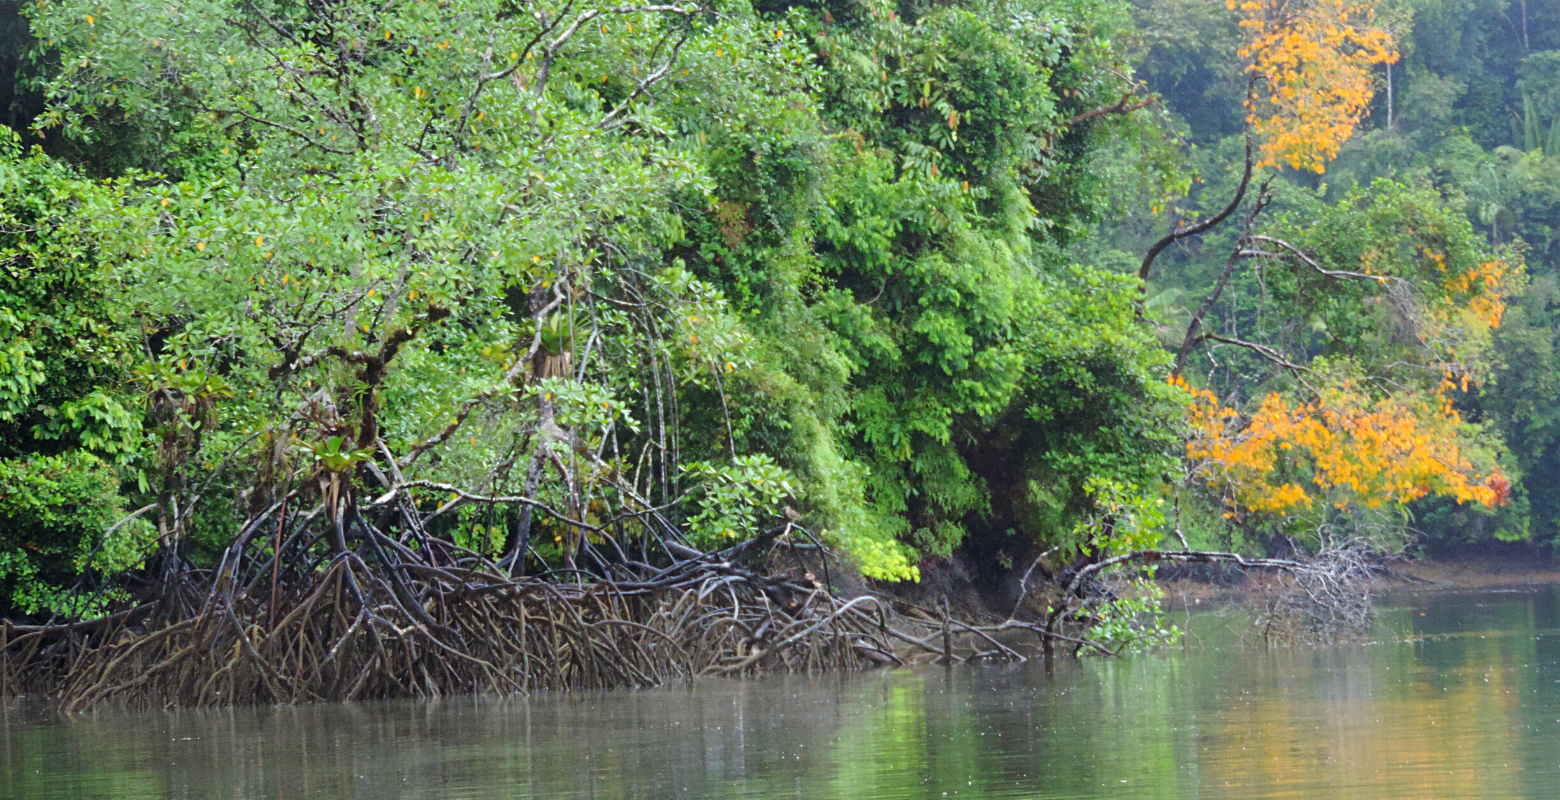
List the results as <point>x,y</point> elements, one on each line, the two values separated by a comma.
<point>1195,325</point>
<point>1182,232</point>
<point>1122,107</point>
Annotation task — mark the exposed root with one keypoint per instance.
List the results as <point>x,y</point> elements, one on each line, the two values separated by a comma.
<point>1315,600</point>
<point>387,618</point>
<point>347,634</point>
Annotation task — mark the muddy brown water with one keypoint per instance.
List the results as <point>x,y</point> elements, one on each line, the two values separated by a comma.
<point>1457,697</point>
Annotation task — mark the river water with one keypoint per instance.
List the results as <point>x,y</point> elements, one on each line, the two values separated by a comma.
<point>1458,697</point>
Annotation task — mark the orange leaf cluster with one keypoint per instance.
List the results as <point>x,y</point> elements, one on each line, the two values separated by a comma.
<point>1311,60</point>
<point>1482,289</point>
<point>1343,448</point>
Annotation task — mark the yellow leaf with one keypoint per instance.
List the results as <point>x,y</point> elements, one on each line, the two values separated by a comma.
<point>1314,80</point>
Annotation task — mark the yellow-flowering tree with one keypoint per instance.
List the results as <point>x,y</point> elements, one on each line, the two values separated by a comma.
<point>1309,84</point>
<point>1332,347</point>
<point>1342,448</point>
<point>1310,66</point>
<point>1377,311</point>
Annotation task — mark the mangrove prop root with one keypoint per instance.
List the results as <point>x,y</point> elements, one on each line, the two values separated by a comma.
<point>388,622</point>
<point>344,632</point>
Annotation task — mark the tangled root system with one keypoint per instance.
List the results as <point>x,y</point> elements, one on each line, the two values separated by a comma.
<point>350,632</point>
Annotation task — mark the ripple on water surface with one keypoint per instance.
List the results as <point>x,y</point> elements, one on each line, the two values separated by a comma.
<point>1459,698</point>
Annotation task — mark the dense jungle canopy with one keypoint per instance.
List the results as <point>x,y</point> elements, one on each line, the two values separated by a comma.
<point>564,281</point>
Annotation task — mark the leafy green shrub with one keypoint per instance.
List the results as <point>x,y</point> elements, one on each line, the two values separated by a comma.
<point>53,512</point>
<point>735,501</point>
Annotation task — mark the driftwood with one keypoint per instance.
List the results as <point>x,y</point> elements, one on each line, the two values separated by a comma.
<point>1324,603</point>
<point>1315,600</point>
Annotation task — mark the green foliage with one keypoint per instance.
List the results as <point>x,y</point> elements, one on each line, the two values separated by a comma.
<point>706,261</point>
<point>334,456</point>
<point>736,501</point>
<point>56,511</point>
<point>70,428</point>
<point>21,375</point>
<point>988,379</point>
<point>1132,621</point>
<point>62,348</point>
<point>1403,237</point>
<point>1126,519</point>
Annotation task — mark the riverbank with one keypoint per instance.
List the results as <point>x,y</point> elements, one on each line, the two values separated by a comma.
<point>1190,588</point>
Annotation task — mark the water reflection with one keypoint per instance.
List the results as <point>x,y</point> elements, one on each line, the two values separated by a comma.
<point>1460,697</point>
